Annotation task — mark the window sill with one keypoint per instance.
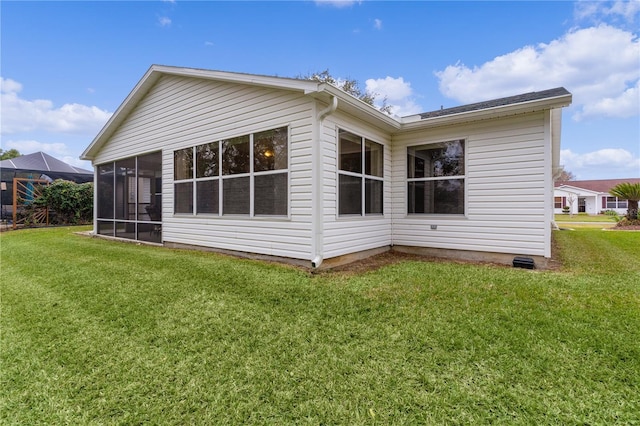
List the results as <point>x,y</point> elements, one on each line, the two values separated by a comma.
<point>232,217</point>
<point>360,217</point>
<point>418,216</point>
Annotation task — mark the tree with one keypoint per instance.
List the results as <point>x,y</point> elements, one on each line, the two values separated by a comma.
<point>564,175</point>
<point>7,155</point>
<point>571,198</point>
<point>630,192</point>
<point>351,87</point>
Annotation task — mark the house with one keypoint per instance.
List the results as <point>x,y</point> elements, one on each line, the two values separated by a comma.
<point>36,166</point>
<point>589,196</point>
<point>300,170</point>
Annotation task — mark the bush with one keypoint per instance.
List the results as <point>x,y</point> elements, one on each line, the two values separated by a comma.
<point>614,214</point>
<point>71,202</point>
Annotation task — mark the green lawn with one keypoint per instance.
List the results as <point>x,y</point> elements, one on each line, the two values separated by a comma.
<point>583,220</point>
<point>583,217</point>
<point>100,332</point>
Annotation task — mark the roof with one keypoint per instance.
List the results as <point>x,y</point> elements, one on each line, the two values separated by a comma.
<point>511,100</point>
<point>41,162</point>
<point>602,186</point>
<point>536,101</point>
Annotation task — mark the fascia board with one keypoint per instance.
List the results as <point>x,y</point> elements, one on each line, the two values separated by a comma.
<point>156,71</point>
<point>569,188</point>
<point>305,86</point>
<point>140,89</point>
<point>374,115</point>
<point>490,113</point>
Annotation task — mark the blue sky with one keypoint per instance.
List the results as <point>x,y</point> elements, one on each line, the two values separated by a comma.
<point>66,66</point>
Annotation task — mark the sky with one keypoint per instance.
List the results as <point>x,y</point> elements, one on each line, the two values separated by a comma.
<point>65,67</point>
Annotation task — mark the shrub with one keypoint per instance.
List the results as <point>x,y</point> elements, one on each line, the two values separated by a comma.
<point>614,214</point>
<point>630,192</point>
<point>71,202</point>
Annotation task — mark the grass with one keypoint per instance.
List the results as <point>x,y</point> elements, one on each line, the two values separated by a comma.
<point>583,220</point>
<point>583,217</point>
<point>99,332</point>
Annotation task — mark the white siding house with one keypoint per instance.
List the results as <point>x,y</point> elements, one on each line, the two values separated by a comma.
<point>300,170</point>
<point>589,196</point>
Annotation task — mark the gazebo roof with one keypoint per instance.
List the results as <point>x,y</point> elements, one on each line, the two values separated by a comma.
<point>41,162</point>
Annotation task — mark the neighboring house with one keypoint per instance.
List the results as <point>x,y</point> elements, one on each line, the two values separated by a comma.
<point>36,166</point>
<point>589,196</point>
<point>301,170</point>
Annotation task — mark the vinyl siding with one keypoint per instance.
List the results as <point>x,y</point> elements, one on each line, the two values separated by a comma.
<point>506,166</point>
<point>183,112</point>
<point>343,235</point>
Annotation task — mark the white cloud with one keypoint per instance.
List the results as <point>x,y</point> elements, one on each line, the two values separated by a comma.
<point>393,88</point>
<point>9,86</point>
<point>337,3</point>
<point>30,146</point>
<point>398,93</point>
<point>377,24</point>
<point>58,150</point>
<point>595,64</point>
<point>208,43</point>
<point>598,10</point>
<point>614,160</point>
<point>625,105</point>
<point>20,115</point>
<point>164,21</point>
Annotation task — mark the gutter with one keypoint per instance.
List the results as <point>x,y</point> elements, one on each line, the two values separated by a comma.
<point>317,202</point>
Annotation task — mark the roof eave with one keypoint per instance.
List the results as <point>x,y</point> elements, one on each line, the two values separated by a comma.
<point>154,73</point>
<point>577,188</point>
<point>305,86</point>
<point>360,109</point>
<point>491,113</point>
<point>146,82</point>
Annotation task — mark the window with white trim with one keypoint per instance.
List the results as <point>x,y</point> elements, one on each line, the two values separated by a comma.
<point>616,203</point>
<point>245,175</point>
<point>436,178</point>
<point>360,175</point>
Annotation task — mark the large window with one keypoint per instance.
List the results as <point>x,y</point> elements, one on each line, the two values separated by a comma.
<point>435,178</point>
<point>360,175</point>
<point>616,203</point>
<point>129,198</point>
<point>245,175</point>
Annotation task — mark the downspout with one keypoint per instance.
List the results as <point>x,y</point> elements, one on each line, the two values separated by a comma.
<point>318,194</point>
<point>95,199</point>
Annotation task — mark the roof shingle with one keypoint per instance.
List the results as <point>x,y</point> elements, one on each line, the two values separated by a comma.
<point>510,100</point>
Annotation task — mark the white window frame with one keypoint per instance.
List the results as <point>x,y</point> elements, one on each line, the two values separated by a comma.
<point>363,177</point>
<point>463,177</point>
<point>221,178</point>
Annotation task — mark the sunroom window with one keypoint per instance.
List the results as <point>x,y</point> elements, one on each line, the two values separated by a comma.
<point>436,178</point>
<point>129,198</point>
<point>360,175</point>
<point>244,175</point>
